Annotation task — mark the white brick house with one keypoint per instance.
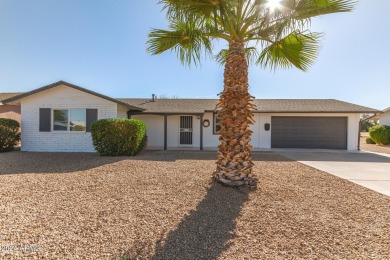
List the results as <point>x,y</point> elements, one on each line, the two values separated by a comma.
<point>57,118</point>
<point>39,134</point>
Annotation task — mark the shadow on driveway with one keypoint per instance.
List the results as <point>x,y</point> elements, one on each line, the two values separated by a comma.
<point>336,156</point>
<point>288,155</point>
<point>366,169</point>
<point>205,233</point>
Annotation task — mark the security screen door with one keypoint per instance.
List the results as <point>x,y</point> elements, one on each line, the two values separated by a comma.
<point>186,130</point>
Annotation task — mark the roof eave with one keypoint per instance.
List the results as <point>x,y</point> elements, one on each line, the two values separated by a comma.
<point>61,82</point>
<point>169,113</point>
<point>300,111</point>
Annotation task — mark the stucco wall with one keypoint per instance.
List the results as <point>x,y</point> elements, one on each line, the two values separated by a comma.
<point>11,112</point>
<point>122,111</point>
<point>261,139</point>
<point>154,130</point>
<point>66,98</point>
<point>210,140</point>
<point>384,119</point>
<point>173,137</point>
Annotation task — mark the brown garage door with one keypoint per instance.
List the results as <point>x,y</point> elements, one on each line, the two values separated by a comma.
<point>309,132</point>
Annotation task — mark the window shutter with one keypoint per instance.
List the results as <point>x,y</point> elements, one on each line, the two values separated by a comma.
<point>92,115</point>
<point>44,120</point>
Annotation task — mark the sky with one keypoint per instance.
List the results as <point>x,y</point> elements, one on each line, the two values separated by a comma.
<point>100,45</point>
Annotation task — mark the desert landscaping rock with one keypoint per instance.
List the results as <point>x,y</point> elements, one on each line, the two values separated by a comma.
<point>163,205</point>
<point>372,147</point>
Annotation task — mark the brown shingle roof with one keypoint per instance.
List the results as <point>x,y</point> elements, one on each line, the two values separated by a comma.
<point>310,105</point>
<point>8,95</point>
<point>61,82</point>
<point>198,106</point>
<point>194,106</point>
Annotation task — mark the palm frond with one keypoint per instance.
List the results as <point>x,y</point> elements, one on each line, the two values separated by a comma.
<point>193,7</point>
<point>221,57</point>
<point>295,50</point>
<point>305,9</point>
<point>194,24</point>
<point>185,39</point>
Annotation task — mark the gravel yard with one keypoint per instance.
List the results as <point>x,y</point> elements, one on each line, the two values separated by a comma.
<point>163,205</point>
<point>372,147</point>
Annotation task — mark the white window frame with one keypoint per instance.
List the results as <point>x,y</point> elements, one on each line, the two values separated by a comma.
<point>215,117</point>
<point>68,127</point>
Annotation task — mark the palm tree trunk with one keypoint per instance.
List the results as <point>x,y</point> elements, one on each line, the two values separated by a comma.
<point>234,162</point>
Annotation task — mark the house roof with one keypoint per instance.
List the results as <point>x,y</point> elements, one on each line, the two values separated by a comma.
<point>4,96</point>
<point>199,106</point>
<point>379,115</point>
<point>26,94</point>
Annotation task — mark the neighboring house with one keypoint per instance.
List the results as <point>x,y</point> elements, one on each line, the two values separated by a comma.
<point>57,117</point>
<point>9,111</point>
<point>384,118</point>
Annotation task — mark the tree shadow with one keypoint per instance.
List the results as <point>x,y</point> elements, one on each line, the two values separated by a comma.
<point>17,162</point>
<point>286,155</point>
<point>203,234</point>
<point>175,155</point>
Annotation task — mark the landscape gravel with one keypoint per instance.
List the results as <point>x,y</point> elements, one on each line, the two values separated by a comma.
<point>373,147</point>
<point>163,205</point>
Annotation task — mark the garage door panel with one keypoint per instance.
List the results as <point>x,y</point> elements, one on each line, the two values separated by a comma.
<point>309,132</point>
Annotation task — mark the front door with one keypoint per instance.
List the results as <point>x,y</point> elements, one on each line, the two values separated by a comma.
<point>185,130</point>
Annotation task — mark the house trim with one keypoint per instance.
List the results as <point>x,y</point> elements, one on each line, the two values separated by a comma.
<point>61,82</point>
<point>294,112</point>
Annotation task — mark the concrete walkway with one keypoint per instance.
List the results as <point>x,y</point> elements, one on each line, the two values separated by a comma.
<point>370,170</point>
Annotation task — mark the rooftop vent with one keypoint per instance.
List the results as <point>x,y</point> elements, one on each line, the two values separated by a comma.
<point>153,97</point>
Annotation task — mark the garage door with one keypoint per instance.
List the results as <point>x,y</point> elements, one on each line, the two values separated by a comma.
<point>309,132</point>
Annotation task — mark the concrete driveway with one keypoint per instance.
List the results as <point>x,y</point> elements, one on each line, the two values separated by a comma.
<point>369,170</point>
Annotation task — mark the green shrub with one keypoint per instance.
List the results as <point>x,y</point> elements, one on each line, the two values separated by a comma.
<point>118,136</point>
<point>9,134</point>
<point>380,134</point>
<point>369,141</point>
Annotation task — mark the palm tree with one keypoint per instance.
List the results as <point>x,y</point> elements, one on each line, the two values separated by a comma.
<point>269,33</point>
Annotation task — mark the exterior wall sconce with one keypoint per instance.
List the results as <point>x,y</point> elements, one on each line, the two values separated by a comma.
<point>267,126</point>
<point>206,123</point>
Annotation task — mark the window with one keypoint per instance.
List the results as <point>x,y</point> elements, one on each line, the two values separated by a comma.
<point>69,120</point>
<point>216,125</point>
<point>60,118</point>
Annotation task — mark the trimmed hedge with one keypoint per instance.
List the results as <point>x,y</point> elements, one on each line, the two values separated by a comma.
<point>118,136</point>
<point>9,134</point>
<point>369,141</point>
<point>380,134</point>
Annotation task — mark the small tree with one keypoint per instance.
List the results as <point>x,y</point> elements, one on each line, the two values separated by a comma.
<point>366,122</point>
<point>380,134</point>
<point>9,134</point>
